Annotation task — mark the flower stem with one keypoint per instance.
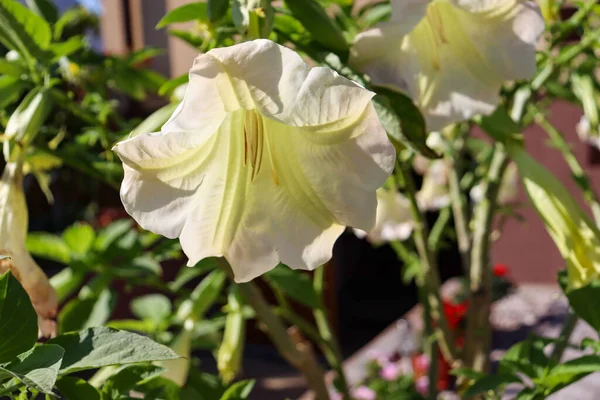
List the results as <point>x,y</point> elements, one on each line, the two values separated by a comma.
<point>334,355</point>
<point>478,334</point>
<point>579,175</point>
<point>298,355</point>
<point>429,279</point>
<point>459,205</point>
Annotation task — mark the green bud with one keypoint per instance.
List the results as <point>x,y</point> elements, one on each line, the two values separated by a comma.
<point>229,357</point>
<point>573,232</point>
<point>25,123</point>
<point>179,368</point>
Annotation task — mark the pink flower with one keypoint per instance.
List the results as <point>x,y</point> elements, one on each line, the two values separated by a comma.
<point>336,396</point>
<point>422,384</point>
<point>390,371</point>
<point>363,393</point>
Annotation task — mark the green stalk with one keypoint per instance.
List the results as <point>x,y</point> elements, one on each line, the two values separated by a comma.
<point>429,279</point>
<point>577,171</point>
<point>298,355</point>
<point>459,207</point>
<point>563,339</point>
<point>478,335</point>
<point>322,320</point>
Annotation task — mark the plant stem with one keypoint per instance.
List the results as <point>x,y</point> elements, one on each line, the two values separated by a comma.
<point>429,279</point>
<point>459,205</point>
<point>478,335</point>
<point>298,355</point>
<point>563,339</point>
<point>322,320</point>
<point>579,175</point>
<point>10,389</point>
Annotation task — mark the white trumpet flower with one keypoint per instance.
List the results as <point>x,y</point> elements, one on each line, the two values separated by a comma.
<point>13,233</point>
<point>394,220</point>
<point>265,161</point>
<point>451,56</point>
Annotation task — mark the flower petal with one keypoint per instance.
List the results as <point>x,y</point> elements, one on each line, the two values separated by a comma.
<point>290,92</point>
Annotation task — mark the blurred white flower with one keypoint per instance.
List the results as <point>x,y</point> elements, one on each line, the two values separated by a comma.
<point>179,368</point>
<point>363,393</point>
<point>584,131</point>
<point>13,233</point>
<point>509,187</point>
<point>265,161</point>
<point>434,193</point>
<point>451,56</point>
<point>394,220</point>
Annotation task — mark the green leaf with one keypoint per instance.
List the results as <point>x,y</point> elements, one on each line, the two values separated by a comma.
<point>23,30</point>
<point>203,296</point>
<point>12,68</point>
<point>501,127</point>
<point>10,89</point>
<point>191,38</point>
<point>402,120</point>
<point>527,357</point>
<point>66,282</point>
<point>154,307</point>
<point>188,12</point>
<point>68,47</point>
<point>186,274</point>
<point>18,320</point>
<point>110,234</point>
<point>314,18</point>
<point>44,8</point>
<point>582,301</point>
<point>131,375</point>
<point>140,266</point>
<point>490,382</point>
<point>37,368</point>
<point>73,388</point>
<point>571,371</point>
<point>294,284</point>
<point>173,84</point>
<point>79,314</point>
<point>239,390</point>
<point>100,346</point>
<point>208,385</point>
<point>216,9</point>
<point>46,245</point>
<point>79,237</point>
<point>155,120</point>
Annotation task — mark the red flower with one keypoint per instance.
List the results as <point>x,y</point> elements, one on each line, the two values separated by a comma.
<point>455,313</point>
<point>500,270</point>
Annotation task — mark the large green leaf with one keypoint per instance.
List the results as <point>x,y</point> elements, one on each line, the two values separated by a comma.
<point>51,247</point>
<point>93,311</point>
<point>37,368</point>
<point>294,284</point>
<point>315,19</point>
<point>23,30</point>
<point>73,388</point>
<point>402,120</point>
<point>188,12</point>
<point>18,320</point>
<point>79,237</point>
<point>100,346</point>
<point>583,302</point>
